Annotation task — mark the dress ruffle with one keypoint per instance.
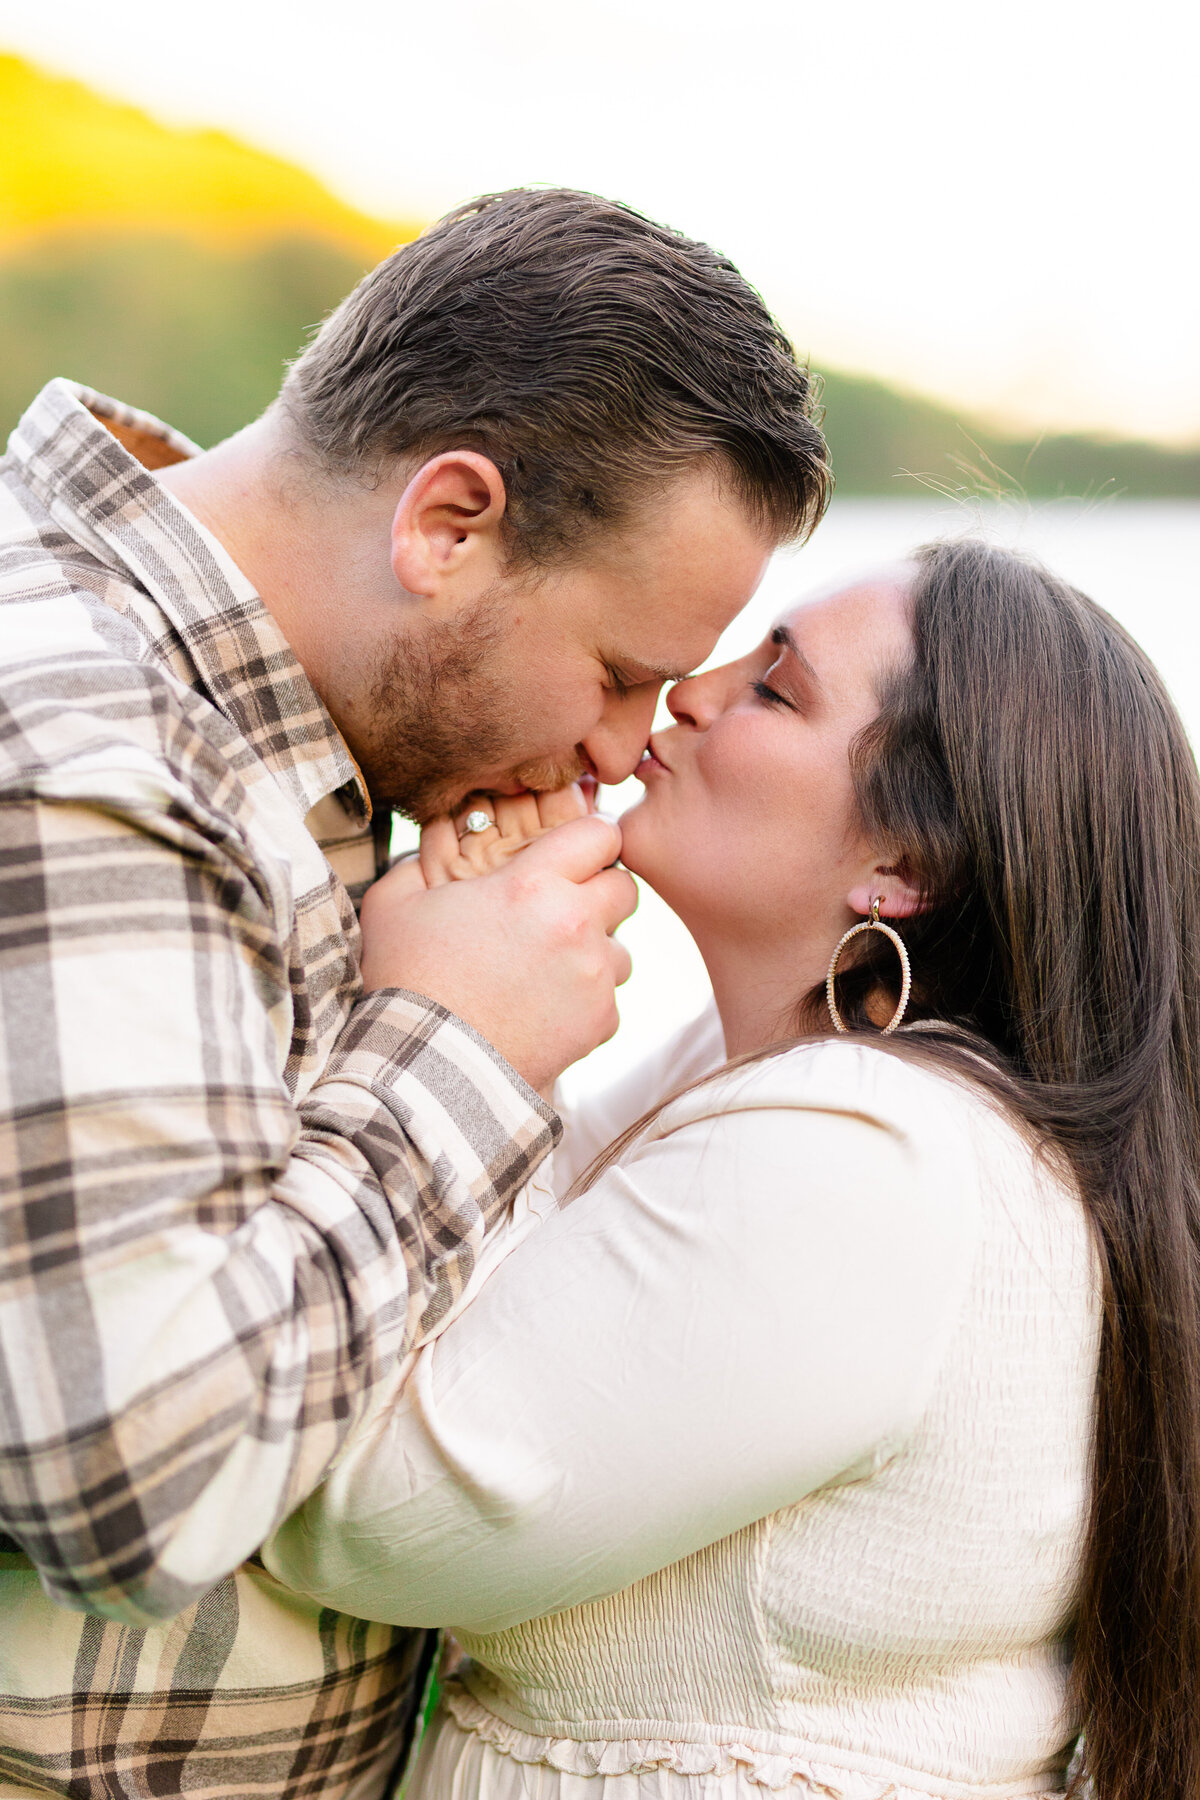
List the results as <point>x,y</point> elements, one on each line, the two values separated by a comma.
<point>769,1769</point>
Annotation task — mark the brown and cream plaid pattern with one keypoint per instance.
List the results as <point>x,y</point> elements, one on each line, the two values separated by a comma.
<point>233,1191</point>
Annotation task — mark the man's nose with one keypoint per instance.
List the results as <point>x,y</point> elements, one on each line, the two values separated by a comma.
<point>616,742</point>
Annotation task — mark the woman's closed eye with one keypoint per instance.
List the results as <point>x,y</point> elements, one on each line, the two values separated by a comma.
<point>769,695</point>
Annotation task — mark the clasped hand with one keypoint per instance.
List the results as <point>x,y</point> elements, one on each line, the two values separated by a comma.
<point>519,946</point>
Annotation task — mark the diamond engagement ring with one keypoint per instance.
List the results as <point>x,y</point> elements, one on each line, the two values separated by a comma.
<point>476,821</point>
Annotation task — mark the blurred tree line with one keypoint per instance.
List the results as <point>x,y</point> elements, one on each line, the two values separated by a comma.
<point>200,336</point>
<point>197,335</point>
<point>181,269</point>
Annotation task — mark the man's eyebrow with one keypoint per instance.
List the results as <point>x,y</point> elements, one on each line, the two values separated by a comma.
<point>783,638</point>
<point>642,672</point>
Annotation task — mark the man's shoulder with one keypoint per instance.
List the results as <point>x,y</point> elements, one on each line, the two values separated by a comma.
<point>90,710</point>
<point>39,531</point>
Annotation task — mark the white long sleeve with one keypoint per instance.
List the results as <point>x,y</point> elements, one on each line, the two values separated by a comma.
<point>752,1306</point>
<point>591,1123</point>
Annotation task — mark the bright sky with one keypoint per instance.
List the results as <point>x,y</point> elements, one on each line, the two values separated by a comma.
<point>993,204</point>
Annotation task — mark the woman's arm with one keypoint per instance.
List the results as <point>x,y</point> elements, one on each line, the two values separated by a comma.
<point>595,1119</point>
<point>752,1307</point>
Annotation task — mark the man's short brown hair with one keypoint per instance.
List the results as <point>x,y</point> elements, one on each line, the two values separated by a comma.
<point>589,352</point>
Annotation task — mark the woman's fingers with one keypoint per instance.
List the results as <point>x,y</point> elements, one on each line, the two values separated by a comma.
<point>459,848</point>
<point>522,817</point>
<point>622,962</point>
<point>560,807</point>
<point>439,851</point>
<point>517,817</point>
<point>477,838</point>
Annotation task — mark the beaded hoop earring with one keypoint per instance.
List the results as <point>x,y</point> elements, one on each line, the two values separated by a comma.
<point>874,923</point>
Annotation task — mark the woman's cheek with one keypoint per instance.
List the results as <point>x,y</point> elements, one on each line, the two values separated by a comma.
<point>735,751</point>
<point>745,775</point>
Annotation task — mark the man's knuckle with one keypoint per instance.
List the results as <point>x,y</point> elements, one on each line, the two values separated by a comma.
<point>525,886</point>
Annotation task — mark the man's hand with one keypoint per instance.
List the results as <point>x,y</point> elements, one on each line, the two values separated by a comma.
<point>524,954</point>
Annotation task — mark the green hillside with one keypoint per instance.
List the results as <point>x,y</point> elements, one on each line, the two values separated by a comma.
<point>885,441</point>
<point>176,268</point>
<point>180,270</point>
<point>200,336</point>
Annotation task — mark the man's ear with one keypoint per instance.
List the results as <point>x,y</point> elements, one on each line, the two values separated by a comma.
<point>897,896</point>
<point>447,525</point>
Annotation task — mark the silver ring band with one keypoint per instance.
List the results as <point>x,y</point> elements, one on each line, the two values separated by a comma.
<point>476,820</point>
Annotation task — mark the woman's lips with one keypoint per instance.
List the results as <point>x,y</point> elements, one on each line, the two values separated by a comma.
<point>650,763</point>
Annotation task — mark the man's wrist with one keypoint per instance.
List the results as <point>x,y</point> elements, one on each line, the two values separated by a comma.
<point>398,1042</point>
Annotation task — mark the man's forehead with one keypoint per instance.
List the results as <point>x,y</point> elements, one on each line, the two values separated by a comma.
<point>674,633</point>
<point>667,661</point>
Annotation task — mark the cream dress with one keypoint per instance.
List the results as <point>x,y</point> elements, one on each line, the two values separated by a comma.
<point>761,1467</point>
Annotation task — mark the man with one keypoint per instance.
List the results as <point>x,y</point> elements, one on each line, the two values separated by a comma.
<point>527,471</point>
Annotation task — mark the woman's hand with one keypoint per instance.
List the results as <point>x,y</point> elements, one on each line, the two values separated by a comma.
<point>449,852</point>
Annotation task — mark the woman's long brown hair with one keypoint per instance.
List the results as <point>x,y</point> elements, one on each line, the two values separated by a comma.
<point>1032,776</point>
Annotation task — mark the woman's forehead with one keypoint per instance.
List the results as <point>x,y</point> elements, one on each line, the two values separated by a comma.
<point>874,607</point>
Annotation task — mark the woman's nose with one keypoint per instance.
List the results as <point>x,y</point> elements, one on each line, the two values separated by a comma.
<point>699,699</point>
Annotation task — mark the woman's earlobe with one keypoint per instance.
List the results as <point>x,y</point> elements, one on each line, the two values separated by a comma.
<point>898,898</point>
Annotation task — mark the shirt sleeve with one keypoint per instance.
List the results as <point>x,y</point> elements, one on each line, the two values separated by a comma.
<point>752,1306</point>
<point>203,1283</point>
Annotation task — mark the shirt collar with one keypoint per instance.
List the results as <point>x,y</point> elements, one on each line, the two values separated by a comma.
<point>85,476</point>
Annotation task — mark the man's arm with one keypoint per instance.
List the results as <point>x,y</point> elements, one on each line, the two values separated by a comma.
<point>199,1283</point>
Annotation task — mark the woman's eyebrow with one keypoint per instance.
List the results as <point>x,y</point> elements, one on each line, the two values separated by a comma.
<point>782,637</point>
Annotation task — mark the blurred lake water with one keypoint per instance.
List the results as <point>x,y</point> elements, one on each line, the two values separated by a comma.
<point>1138,558</point>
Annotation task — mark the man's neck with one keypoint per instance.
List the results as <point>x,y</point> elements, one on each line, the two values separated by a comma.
<point>235,490</point>
<point>316,554</point>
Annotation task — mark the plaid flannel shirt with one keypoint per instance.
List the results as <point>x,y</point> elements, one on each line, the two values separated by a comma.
<point>234,1191</point>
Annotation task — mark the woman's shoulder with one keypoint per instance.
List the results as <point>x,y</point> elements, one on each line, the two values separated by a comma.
<point>879,1085</point>
<point>932,1130</point>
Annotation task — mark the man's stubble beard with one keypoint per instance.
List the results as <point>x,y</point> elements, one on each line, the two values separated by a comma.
<point>442,718</point>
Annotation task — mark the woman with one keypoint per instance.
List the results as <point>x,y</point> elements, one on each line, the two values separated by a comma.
<point>843,1436</point>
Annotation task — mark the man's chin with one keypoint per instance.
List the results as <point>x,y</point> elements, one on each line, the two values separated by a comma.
<point>531,778</point>
<point>430,800</point>
<point>548,776</point>
<point>422,808</point>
